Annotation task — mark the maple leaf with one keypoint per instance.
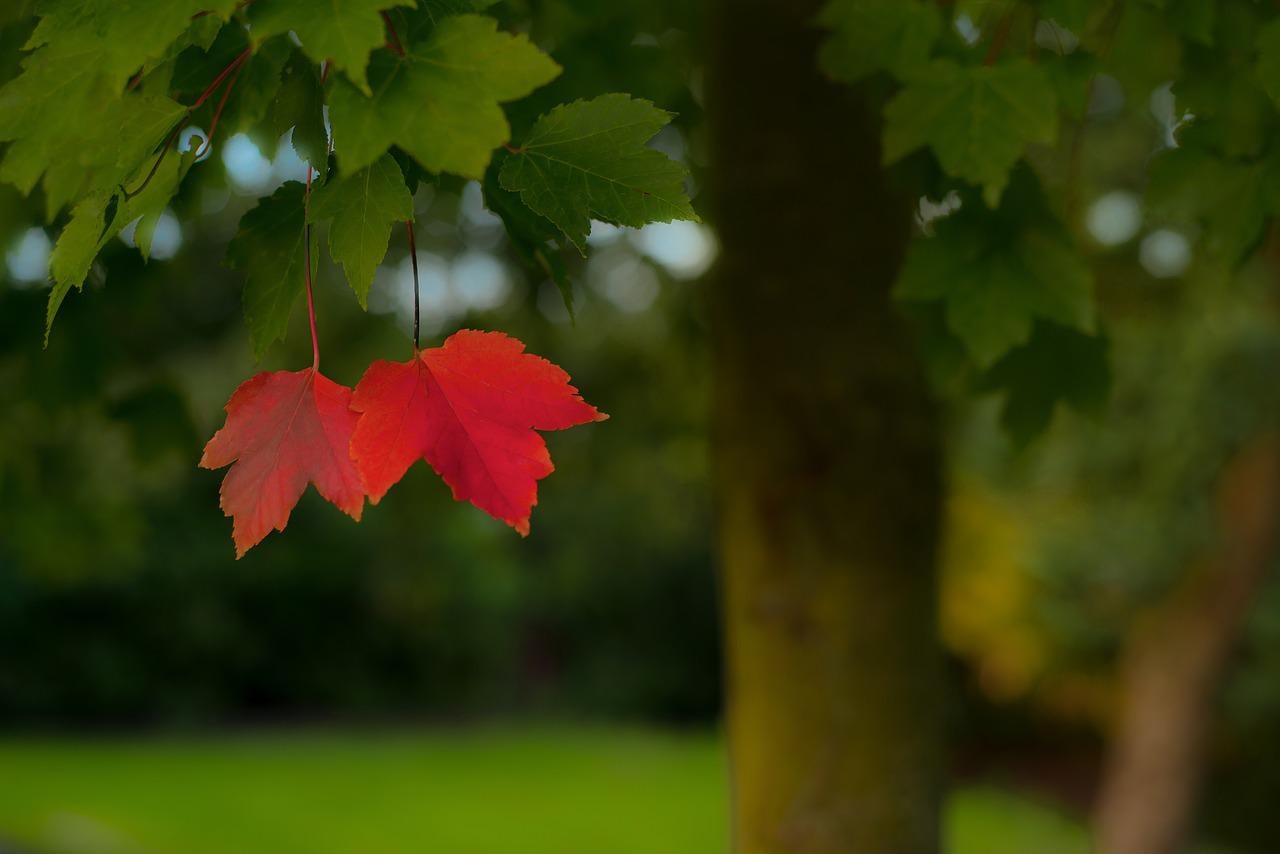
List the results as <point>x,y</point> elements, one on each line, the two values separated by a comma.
<point>995,289</point>
<point>978,121</point>
<point>441,101</point>
<point>269,248</point>
<point>82,54</point>
<point>870,35</point>
<point>299,104</point>
<point>345,33</point>
<point>363,207</point>
<point>589,159</point>
<point>470,409</point>
<point>284,429</point>
<point>531,235</point>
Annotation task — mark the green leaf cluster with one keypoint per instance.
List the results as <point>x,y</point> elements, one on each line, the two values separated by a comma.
<point>998,102</point>
<point>377,95</point>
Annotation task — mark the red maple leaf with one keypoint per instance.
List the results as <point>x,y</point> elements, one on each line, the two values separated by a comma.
<point>470,409</point>
<point>284,429</point>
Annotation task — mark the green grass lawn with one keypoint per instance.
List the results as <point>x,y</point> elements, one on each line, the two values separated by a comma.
<point>471,791</point>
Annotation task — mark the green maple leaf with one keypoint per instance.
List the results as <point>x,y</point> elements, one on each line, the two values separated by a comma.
<point>1056,366</point>
<point>84,51</point>
<point>1230,199</point>
<point>344,31</point>
<point>153,201</point>
<point>100,216</point>
<point>112,38</point>
<point>92,224</point>
<point>588,159</point>
<point>439,102</point>
<point>363,208</point>
<point>532,236</point>
<point>71,162</point>
<point>977,120</point>
<point>872,35</point>
<point>995,288</point>
<point>268,249</point>
<point>299,104</point>
<point>415,23</point>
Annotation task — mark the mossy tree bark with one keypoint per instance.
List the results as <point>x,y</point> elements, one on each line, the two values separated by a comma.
<point>826,456</point>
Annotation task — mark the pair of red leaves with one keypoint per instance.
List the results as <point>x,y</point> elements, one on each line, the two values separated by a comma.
<point>469,408</point>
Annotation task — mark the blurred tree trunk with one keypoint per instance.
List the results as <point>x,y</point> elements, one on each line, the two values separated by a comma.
<point>1175,662</point>
<point>827,463</point>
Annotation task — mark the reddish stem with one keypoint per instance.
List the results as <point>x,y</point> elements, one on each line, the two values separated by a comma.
<point>306,247</point>
<point>239,6</point>
<point>413,257</point>
<point>217,113</point>
<point>217,81</point>
<point>999,39</point>
<point>392,35</point>
<point>204,96</point>
<point>155,167</point>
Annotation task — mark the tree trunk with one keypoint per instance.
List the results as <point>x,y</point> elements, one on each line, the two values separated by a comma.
<point>827,462</point>
<point>1175,662</point>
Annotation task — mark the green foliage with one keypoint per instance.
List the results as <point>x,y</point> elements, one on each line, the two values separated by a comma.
<point>98,218</point>
<point>996,284</point>
<point>417,91</point>
<point>84,54</point>
<point>533,236</point>
<point>877,35</point>
<point>588,159</point>
<point>423,88</point>
<point>977,120</point>
<point>299,105</point>
<point>344,31</point>
<point>1079,365</point>
<point>440,102</point>
<point>1269,59</point>
<point>269,250</point>
<point>1230,200</point>
<point>362,209</point>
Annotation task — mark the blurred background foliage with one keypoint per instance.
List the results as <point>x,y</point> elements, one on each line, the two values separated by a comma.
<point>121,605</point>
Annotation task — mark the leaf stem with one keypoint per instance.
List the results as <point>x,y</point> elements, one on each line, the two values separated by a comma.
<point>392,36</point>
<point>413,257</point>
<point>217,113</point>
<point>164,150</point>
<point>233,66</point>
<point>217,81</point>
<point>999,39</point>
<point>306,247</point>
